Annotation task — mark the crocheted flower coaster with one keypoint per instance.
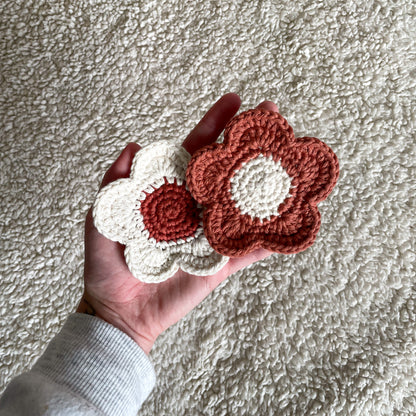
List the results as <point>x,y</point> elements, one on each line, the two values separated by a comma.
<point>261,186</point>
<point>155,216</point>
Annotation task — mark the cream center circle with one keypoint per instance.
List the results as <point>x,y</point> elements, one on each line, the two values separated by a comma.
<point>260,186</point>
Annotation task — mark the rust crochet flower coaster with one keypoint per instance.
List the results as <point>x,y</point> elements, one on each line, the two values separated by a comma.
<point>261,186</point>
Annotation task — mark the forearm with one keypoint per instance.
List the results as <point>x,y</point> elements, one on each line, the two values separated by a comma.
<point>90,367</point>
<point>93,307</point>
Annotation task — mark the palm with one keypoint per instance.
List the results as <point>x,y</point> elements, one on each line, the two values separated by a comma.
<point>144,310</point>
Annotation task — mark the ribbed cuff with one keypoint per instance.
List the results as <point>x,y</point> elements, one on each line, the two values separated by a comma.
<point>100,363</point>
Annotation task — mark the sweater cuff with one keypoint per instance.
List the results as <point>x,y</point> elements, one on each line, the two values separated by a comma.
<point>100,363</point>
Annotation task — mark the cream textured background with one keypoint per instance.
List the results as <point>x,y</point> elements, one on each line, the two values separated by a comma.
<point>330,331</point>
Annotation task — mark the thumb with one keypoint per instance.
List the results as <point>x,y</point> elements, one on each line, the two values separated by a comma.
<point>121,167</point>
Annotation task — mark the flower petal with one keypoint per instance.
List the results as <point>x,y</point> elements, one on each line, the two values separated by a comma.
<point>148,263</point>
<point>294,231</point>
<point>318,169</point>
<point>206,173</point>
<point>113,210</point>
<point>236,235</point>
<point>158,160</point>
<point>260,128</point>
<point>229,232</point>
<point>199,258</point>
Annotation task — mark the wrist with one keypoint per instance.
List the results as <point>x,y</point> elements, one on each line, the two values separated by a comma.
<point>90,307</point>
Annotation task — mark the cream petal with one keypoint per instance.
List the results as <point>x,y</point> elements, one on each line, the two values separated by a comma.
<point>199,258</point>
<point>158,160</point>
<point>148,263</point>
<point>114,208</point>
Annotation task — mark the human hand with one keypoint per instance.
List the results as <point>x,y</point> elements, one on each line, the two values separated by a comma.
<point>144,310</point>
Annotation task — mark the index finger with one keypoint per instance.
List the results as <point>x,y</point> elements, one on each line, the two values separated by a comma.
<point>213,123</point>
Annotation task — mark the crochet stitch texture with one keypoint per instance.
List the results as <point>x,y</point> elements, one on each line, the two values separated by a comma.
<point>261,186</point>
<point>155,216</point>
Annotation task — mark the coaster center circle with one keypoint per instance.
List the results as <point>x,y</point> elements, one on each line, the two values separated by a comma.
<point>260,186</point>
<point>170,213</point>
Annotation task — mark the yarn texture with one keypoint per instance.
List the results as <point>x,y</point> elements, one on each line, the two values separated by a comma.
<point>155,216</point>
<point>261,186</point>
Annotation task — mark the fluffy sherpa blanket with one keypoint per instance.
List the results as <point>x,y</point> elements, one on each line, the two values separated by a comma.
<point>329,331</point>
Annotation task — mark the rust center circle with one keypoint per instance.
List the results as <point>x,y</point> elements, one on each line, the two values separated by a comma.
<point>170,213</point>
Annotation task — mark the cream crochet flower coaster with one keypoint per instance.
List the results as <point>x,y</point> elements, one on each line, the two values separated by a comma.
<point>153,214</point>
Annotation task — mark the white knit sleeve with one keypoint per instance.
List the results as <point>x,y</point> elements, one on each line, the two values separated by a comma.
<point>89,368</point>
